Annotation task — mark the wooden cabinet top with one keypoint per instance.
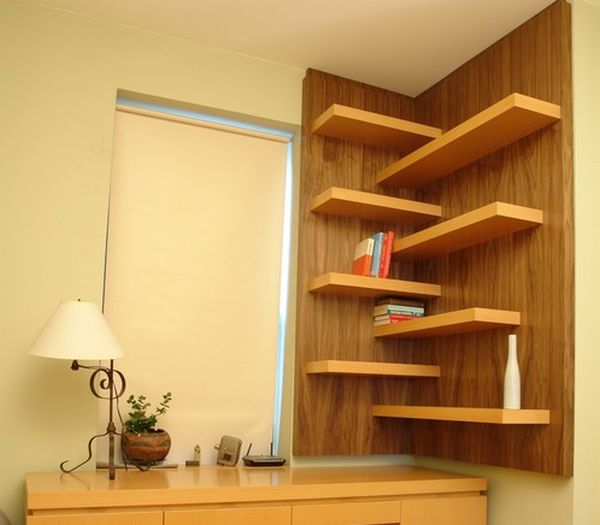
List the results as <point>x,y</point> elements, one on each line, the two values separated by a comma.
<point>214,484</point>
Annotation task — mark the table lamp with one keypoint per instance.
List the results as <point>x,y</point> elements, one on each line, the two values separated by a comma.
<point>76,331</point>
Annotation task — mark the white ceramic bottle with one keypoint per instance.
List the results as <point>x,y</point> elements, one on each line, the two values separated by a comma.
<point>512,377</point>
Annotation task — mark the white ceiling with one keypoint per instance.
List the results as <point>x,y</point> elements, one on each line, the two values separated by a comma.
<point>402,45</point>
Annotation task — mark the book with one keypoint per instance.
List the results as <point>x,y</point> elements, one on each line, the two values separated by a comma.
<point>386,254</point>
<point>400,301</point>
<point>383,322</point>
<point>395,317</point>
<point>377,249</point>
<point>383,309</point>
<point>363,253</point>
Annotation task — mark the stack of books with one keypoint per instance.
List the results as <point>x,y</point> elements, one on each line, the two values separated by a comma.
<point>393,310</point>
<point>372,256</point>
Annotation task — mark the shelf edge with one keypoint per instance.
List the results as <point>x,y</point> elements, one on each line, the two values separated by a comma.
<point>362,286</point>
<point>370,368</point>
<point>500,416</point>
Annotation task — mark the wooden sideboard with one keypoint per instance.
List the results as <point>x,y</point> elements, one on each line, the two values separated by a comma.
<point>213,495</point>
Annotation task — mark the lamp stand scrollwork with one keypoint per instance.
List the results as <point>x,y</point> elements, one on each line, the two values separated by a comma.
<point>105,383</point>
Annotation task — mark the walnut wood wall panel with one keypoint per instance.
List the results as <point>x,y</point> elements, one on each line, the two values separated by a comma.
<point>333,413</point>
<point>530,272</point>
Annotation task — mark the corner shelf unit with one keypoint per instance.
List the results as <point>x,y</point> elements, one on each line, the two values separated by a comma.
<point>503,123</point>
<point>450,323</point>
<point>368,368</point>
<point>432,155</point>
<point>499,416</point>
<point>361,286</point>
<point>365,127</point>
<point>474,227</point>
<point>371,206</point>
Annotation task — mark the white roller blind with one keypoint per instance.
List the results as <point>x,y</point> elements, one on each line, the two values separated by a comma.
<point>193,276</point>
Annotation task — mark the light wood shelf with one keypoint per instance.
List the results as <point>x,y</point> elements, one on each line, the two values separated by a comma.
<point>503,123</point>
<point>450,323</point>
<point>477,226</point>
<point>499,416</point>
<point>361,286</point>
<point>367,368</point>
<point>371,206</point>
<point>362,126</point>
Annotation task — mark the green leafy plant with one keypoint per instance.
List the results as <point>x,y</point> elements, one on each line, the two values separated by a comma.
<point>139,420</point>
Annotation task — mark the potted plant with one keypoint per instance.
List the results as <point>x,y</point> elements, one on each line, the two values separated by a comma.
<point>141,442</point>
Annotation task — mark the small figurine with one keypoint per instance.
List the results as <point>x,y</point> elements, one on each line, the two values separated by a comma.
<point>196,461</point>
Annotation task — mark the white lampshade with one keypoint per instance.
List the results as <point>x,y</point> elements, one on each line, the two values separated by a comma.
<point>77,330</point>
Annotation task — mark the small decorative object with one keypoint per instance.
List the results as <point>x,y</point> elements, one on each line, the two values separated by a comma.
<point>196,461</point>
<point>512,377</point>
<point>229,451</point>
<point>142,443</point>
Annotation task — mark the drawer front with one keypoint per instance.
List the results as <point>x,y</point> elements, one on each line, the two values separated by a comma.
<point>244,516</point>
<point>371,513</point>
<point>463,510</point>
<point>99,518</point>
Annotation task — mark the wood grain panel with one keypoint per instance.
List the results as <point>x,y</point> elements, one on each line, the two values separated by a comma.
<point>336,327</point>
<point>529,272</point>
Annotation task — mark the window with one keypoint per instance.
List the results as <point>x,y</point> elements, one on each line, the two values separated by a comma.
<point>197,270</point>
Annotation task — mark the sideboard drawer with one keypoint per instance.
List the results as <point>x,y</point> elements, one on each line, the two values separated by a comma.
<point>367,513</point>
<point>243,516</point>
<point>99,518</point>
<point>459,510</point>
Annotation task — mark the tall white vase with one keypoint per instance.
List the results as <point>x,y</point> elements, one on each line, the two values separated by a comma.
<point>512,377</point>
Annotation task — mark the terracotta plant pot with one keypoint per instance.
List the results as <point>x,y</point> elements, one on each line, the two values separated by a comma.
<point>147,448</point>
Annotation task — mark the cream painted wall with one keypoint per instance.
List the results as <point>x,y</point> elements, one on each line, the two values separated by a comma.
<point>586,97</point>
<point>59,78</point>
<point>518,497</point>
<point>522,498</point>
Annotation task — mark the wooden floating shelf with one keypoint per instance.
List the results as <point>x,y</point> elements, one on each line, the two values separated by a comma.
<point>499,416</point>
<point>362,126</point>
<point>477,226</point>
<point>371,206</point>
<point>360,286</point>
<point>507,121</point>
<point>450,323</point>
<point>366,368</point>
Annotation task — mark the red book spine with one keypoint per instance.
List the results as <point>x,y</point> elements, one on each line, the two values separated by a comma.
<point>386,254</point>
<point>362,265</point>
<point>396,317</point>
<point>392,320</point>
